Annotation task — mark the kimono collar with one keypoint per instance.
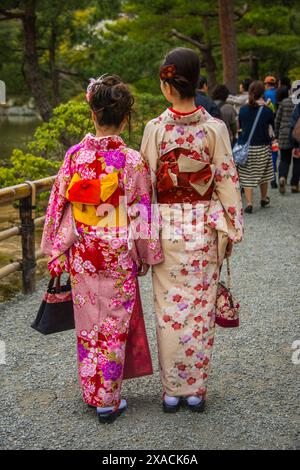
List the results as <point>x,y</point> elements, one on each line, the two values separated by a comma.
<point>110,142</point>
<point>198,116</point>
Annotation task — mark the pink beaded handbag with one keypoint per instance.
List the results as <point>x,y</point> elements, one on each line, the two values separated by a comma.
<point>227,307</point>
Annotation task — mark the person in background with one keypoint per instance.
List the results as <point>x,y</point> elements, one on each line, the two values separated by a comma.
<point>282,131</point>
<point>295,152</point>
<point>227,111</point>
<point>240,100</point>
<point>285,82</point>
<point>258,170</point>
<point>271,101</point>
<point>275,153</point>
<point>270,91</point>
<point>281,94</point>
<point>202,99</point>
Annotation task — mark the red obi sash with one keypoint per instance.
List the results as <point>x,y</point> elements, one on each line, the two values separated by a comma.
<point>175,185</point>
<point>95,191</point>
<point>85,192</point>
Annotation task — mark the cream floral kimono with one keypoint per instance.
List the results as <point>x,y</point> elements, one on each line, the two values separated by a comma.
<point>197,187</point>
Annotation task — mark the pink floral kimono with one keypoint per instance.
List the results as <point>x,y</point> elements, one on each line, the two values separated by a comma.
<point>101,185</point>
<point>200,205</point>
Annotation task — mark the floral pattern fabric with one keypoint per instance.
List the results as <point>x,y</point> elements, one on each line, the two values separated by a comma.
<point>208,141</point>
<point>185,284</point>
<point>102,267</point>
<point>103,307</point>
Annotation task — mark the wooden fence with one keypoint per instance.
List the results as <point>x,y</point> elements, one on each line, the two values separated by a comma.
<point>26,194</point>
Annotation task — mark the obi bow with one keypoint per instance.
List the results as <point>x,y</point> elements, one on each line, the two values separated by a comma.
<point>185,172</point>
<point>93,200</point>
<point>201,173</point>
<point>92,191</point>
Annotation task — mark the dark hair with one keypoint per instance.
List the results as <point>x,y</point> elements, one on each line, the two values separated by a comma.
<point>286,82</point>
<point>220,92</point>
<point>110,99</point>
<point>202,82</point>
<point>187,70</point>
<point>282,93</point>
<point>246,83</point>
<point>256,91</point>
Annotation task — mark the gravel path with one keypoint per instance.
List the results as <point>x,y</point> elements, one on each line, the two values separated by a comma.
<point>253,399</point>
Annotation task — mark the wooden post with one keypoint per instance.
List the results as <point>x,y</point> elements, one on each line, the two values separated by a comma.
<point>28,245</point>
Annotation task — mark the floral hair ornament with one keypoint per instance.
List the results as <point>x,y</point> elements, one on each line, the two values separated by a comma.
<point>90,86</point>
<point>167,72</point>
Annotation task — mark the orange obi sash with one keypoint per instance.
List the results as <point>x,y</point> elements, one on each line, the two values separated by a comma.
<point>87,195</point>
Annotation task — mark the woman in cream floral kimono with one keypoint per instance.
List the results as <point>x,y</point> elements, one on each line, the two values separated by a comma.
<point>197,188</point>
<point>102,184</point>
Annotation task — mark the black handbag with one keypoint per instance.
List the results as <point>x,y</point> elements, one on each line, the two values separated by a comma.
<point>56,311</point>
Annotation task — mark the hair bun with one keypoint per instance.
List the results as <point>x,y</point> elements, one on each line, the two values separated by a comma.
<point>110,99</point>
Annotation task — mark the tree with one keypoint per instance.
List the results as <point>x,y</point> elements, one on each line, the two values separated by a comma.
<point>208,60</point>
<point>173,23</point>
<point>228,44</point>
<point>268,38</point>
<point>65,43</point>
<point>52,44</point>
<point>31,63</point>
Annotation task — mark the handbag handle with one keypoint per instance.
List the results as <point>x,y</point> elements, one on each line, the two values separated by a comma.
<point>229,278</point>
<point>57,282</point>
<point>228,269</point>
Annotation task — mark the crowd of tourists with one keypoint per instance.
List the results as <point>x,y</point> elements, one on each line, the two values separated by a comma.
<point>274,146</point>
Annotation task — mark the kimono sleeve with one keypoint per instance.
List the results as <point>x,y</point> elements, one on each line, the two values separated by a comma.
<point>227,188</point>
<point>150,146</point>
<point>56,207</point>
<point>138,193</point>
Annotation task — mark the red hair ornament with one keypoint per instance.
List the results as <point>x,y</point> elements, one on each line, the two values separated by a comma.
<point>167,72</point>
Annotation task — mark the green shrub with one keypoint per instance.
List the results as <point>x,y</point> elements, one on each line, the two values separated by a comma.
<point>70,121</point>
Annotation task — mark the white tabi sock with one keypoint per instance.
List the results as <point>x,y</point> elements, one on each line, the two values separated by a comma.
<point>107,409</point>
<point>194,400</point>
<point>171,401</point>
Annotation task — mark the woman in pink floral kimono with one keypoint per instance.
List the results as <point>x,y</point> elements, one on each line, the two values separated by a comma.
<point>198,194</point>
<point>102,185</point>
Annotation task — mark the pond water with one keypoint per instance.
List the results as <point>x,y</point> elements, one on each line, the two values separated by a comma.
<point>15,132</point>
